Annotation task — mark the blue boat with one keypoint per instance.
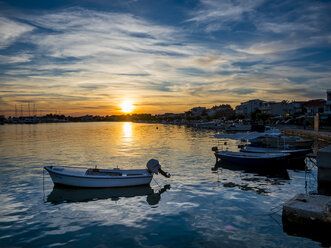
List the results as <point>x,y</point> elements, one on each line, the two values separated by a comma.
<point>295,154</point>
<point>253,159</point>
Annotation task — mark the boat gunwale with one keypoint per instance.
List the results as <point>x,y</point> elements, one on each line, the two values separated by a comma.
<point>101,187</point>
<point>249,156</point>
<point>49,169</point>
<point>274,150</point>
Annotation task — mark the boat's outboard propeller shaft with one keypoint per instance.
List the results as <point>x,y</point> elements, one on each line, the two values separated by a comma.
<point>214,149</point>
<point>154,166</point>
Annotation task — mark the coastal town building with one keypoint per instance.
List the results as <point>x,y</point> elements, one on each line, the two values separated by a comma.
<point>295,110</point>
<point>282,108</point>
<point>315,106</point>
<point>297,107</point>
<point>246,108</point>
<point>266,107</point>
<point>327,107</point>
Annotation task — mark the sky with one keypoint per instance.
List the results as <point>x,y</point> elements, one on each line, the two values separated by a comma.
<point>88,56</point>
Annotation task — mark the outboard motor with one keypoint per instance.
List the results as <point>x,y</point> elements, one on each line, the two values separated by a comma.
<point>154,166</point>
<point>214,149</point>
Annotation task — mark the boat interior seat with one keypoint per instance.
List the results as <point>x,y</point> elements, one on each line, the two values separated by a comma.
<point>97,172</point>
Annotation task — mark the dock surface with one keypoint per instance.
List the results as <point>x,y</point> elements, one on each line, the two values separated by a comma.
<point>320,135</point>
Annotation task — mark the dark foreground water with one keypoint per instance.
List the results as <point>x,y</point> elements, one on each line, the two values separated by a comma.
<point>196,207</point>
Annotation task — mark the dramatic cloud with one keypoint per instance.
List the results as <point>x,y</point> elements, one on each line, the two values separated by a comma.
<point>209,53</point>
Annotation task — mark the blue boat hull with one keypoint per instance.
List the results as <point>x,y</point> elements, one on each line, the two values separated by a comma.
<point>281,162</point>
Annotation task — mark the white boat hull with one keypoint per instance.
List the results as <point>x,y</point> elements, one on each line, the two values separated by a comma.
<point>80,179</point>
<point>294,154</point>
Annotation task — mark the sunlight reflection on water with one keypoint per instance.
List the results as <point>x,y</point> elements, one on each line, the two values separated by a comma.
<point>194,210</point>
<point>127,130</point>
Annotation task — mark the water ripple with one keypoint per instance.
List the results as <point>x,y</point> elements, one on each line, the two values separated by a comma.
<point>205,206</point>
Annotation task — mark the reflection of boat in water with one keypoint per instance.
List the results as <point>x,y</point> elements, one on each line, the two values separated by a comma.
<point>257,179</point>
<point>102,178</point>
<point>279,173</point>
<point>67,194</point>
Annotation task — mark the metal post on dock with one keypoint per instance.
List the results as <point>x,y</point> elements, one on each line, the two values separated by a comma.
<point>324,170</point>
<point>316,122</point>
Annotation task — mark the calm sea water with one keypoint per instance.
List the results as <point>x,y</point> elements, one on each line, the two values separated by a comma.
<point>196,207</point>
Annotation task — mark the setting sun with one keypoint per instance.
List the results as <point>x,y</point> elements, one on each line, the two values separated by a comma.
<point>127,106</point>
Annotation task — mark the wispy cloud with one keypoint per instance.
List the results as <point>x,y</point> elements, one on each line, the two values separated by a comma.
<point>262,48</point>
<point>285,27</point>
<point>228,51</point>
<point>217,15</point>
<point>82,33</point>
<point>17,58</point>
<point>11,30</point>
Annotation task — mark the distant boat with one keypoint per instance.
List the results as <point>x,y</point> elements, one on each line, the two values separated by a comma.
<point>238,127</point>
<point>104,178</point>
<point>254,159</point>
<point>250,135</point>
<point>206,125</point>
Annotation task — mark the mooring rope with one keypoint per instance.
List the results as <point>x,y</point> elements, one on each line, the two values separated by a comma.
<point>310,179</point>
<point>276,208</point>
<point>157,183</point>
<point>44,184</point>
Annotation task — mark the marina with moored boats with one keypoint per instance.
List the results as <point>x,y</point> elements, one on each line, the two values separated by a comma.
<point>108,174</point>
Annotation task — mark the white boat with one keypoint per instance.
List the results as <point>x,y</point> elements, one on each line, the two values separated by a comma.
<point>269,132</point>
<point>103,178</point>
<point>282,142</point>
<point>294,153</point>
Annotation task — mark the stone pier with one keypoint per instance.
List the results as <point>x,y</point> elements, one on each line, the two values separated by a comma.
<point>309,215</point>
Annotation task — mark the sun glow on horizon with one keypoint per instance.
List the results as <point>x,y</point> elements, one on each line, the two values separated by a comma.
<point>127,106</point>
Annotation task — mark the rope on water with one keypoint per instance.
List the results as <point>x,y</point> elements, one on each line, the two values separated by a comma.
<point>276,209</point>
<point>157,183</point>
